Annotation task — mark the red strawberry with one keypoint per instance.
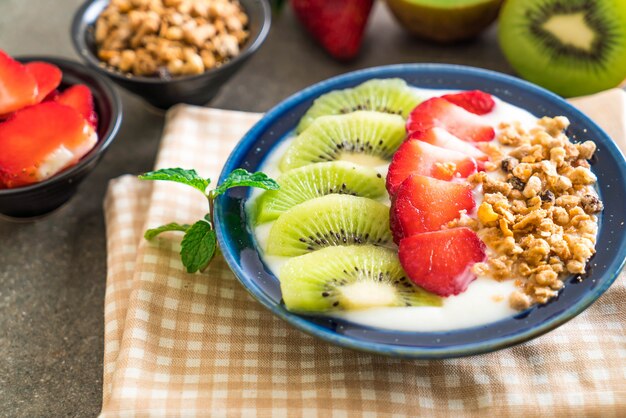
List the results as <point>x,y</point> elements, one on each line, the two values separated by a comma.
<point>41,140</point>
<point>444,139</point>
<point>80,98</point>
<point>441,261</point>
<point>474,101</point>
<point>424,204</point>
<point>337,25</point>
<point>48,77</point>
<point>438,112</point>
<point>418,157</point>
<point>18,87</point>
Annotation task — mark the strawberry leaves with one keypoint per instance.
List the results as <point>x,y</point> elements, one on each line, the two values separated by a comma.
<point>199,243</point>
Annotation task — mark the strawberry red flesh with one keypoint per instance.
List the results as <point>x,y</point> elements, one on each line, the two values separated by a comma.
<point>47,76</point>
<point>441,261</point>
<point>18,87</point>
<point>336,25</point>
<point>440,113</point>
<point>424,204</point>
<point>418,157</point>
<point>41,140</point>
<point>444,139</point>
<point>80,98</point>
<point>475,101</point>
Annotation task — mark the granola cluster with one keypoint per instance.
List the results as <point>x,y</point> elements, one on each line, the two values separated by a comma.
<point>170,37</point>
<point>538,211</point>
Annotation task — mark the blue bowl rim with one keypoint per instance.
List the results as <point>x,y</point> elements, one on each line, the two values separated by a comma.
<point>461,350</point>
<point>78,41</point>
<point>103,143</point>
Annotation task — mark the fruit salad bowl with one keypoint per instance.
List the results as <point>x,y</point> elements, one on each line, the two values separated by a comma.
<point>242,250</point>
<point>38,199</point>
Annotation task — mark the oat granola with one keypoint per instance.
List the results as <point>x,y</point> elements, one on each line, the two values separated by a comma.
<point>538,213</point>
<point>170,37</point>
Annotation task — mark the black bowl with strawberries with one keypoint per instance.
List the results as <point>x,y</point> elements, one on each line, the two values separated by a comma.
<point>57,119</point>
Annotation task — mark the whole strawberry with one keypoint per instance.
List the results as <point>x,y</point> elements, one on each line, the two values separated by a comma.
<point>338,25</point>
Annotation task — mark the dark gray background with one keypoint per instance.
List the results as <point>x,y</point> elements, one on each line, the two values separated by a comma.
<point>52,273</point>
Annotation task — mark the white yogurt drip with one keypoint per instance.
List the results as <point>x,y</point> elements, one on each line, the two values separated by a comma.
<point>485,300</point>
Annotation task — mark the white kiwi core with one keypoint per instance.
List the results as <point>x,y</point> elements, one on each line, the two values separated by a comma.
<point>571,29</point>
<point>364,294</point>
<point>362,159</point>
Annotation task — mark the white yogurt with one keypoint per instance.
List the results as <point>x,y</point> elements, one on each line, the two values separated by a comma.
<point>485,300</point>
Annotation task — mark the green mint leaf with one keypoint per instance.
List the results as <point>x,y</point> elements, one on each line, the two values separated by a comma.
<point>198,246</point>
<point>179,175</point>
<point>151,233</point>
<point>241,177</point>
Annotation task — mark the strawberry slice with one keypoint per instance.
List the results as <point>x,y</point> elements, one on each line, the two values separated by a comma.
<point>41,140</point>
<point>424,204</point>
<point>441,261</point>
<point>475,101</point>
<point>18,87</point>
<point>418,157</point>
<point>47,76</point>
<point>438,112</point>
<point>80,98</point>
<point>444,139</point>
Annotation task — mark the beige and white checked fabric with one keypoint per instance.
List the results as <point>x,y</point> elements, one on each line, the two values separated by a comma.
<point>187,345</point>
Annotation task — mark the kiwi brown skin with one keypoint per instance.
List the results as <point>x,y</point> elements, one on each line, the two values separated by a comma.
<point>543,57</point>
<point>445,24</point>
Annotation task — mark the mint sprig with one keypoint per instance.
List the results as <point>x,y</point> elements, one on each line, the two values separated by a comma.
<point>199,243</point>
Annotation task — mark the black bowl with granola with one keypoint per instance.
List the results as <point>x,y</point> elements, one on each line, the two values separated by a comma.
<point>170,51</point>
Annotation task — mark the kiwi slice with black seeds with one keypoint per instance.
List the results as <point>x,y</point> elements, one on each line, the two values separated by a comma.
<point>315,180</point>
<point>572,47</point>
<point>349,278</point>
<point>329,220</point>
<point>364,137</point>
<point>390,95</point>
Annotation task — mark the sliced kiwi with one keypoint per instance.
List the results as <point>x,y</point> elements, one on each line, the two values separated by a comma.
<point>349,278</point>
<point>315,180</point>
<point>329,220</point>
<point>390,95</point>
<point>368,138</point>
<point>572,47</point>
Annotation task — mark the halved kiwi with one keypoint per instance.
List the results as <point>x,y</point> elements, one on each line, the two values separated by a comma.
<point>368,138</point>
<point>390,95</point>
<point>327,221</point>
<point>315,180</point>
<point>573,47</point>
<point>349,278</point>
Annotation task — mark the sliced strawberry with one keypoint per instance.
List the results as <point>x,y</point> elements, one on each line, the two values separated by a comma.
<point>444,139</point>
<point>418,157</point>
<point>441,261</point>
<point>424,204</point>
<point>474,101</point>
<point>438,112</point>
<point>41,140</point>
<point>80,98</point>
<point>18,87</point>
<point>48,77</point>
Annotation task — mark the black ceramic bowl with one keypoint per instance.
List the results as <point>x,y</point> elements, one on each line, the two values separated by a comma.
<point>44,197</point>
<point>162,93</point>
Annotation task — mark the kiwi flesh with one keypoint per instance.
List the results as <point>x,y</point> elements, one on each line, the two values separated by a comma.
<point>573,47</point>
<point>315,180</point>
<point>329,220</point>
<point>390,95</point>
<point>341,137</point>
<point>349,278</point>
<point>445,21</point>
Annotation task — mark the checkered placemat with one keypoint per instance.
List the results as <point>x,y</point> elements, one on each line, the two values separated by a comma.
<point>198,345</point>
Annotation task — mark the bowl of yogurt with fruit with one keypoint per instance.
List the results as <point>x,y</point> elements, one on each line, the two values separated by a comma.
<point>425,211</point>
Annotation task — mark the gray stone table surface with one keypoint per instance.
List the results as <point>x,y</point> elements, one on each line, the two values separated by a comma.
<point>53,272</point>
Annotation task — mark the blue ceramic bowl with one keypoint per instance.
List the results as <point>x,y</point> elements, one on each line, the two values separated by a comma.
<point>238,244</point>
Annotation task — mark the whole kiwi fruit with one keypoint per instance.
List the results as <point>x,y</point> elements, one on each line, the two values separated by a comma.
<point>572,47</point>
